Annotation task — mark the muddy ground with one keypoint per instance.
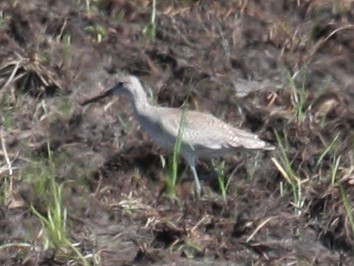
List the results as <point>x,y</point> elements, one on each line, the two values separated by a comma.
<point>281,69</point>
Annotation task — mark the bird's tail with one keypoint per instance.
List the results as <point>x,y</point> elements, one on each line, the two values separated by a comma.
<point>268,147</point>
<point>257,144</point>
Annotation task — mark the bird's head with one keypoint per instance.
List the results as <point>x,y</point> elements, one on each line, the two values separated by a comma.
<point>128,86</point>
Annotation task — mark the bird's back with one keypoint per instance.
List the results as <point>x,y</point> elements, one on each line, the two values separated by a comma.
<point>204,134</point>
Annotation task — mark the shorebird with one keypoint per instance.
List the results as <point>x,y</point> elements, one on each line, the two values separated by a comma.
<point>202,135</point>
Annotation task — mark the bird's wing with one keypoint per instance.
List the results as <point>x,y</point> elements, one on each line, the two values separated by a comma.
<point>200,129</point>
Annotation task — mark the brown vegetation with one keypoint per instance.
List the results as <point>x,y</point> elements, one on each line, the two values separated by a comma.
<point>282,69</point>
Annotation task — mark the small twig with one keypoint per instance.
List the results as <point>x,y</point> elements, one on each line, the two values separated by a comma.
<point>8,162</point>
<point>13,73</point>
<point>259,227</point>
<point>282,170</point>
<point>337,30</point>
<point>321,42</point>
<point>199,223</point>
<point>3,147</point>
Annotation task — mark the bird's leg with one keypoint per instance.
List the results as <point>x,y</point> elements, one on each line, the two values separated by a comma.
<point>190,158</point>
<point>198,188</point>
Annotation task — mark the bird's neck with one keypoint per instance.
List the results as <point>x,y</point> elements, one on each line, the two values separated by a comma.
<point>139,102</point>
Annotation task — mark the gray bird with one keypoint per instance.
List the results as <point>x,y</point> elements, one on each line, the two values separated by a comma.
<point>202,135</point>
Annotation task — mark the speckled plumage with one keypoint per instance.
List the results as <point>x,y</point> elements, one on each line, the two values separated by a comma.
<point>202,135</point>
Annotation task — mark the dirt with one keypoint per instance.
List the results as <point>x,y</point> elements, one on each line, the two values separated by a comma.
<point>234,59</point>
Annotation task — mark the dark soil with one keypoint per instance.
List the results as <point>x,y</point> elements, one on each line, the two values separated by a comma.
<point>234,59</point>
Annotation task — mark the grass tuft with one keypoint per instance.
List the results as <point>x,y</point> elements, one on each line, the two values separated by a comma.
<point>299,95</point>
<point>172,175</point>
<point>149,30</point>
<point>285,167</point>
<point>53,215</point>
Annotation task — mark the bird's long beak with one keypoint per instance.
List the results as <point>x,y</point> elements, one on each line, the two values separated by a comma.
<point>104,94</point>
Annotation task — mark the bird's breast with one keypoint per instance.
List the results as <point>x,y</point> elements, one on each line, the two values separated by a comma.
<point>156,132</point>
